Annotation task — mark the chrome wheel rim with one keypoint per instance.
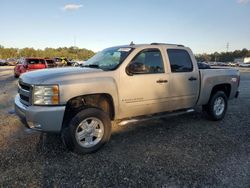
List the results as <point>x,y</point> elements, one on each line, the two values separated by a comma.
<point>219,106</point>
<point>89,132</point>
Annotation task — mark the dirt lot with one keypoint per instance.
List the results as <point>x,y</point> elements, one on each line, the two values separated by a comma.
<point>183,151</point>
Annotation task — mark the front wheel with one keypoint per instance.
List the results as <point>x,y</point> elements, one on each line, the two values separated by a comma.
<point>217,106</point>
<point>88,131</point>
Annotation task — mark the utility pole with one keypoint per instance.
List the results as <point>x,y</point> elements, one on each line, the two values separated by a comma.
<point>227,46</point>
<point>75,45</point>
<point>74,41</point>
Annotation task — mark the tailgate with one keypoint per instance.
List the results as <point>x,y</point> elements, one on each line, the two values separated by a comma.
<point>36,66</point>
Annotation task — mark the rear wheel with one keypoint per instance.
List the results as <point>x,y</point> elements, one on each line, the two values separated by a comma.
<point>88,131</point>
<point>217,106</point>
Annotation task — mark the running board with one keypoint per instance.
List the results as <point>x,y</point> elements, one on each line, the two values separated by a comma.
<point>152,117</point>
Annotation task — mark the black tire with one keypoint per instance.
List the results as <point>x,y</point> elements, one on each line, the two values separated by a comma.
<point>69,132</point>
<point>16,76</point>
<point>210,107</point>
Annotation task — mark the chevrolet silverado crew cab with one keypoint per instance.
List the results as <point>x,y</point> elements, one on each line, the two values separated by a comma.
<point>119,85</point>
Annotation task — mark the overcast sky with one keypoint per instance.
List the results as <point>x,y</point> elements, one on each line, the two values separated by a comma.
<point>203,25</point>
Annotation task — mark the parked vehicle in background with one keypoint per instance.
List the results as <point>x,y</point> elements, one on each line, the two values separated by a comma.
<point>29,64</point>
<point>221,64</point>
<point>119,85</point>
<point>61,62</point>
<point>11,61</point>
<point>244,64</point>
<point>232,64</point>
<point>58,61</point>
<point>50,63</point>
<point>211,63</point>
<point>203,65</point>
<point>71,62</point>
<point>3,62</point>
<point>78,63</point>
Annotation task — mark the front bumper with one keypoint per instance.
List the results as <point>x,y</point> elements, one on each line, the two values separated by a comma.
<point>41,118</point>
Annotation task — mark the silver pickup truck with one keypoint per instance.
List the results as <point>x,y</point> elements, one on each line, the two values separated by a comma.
<point>120,85</point>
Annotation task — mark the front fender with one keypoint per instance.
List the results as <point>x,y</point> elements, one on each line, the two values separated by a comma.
<point>104,85</point>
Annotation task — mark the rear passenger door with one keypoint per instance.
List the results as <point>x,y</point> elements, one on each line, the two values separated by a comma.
<point>184,79</point>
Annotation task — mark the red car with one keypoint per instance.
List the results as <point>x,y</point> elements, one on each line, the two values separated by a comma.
<point>29,64</point>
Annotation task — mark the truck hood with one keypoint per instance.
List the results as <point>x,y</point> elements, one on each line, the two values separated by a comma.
<point>40,76</point>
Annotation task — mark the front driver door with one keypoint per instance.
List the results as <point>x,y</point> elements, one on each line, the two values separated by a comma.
<point>146,91</point>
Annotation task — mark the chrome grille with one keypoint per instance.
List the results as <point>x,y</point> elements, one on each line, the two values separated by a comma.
<point>25,92</point>
<point>23,86</point>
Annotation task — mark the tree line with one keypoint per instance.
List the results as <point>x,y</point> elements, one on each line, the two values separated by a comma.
<point>84,54</point>
<point>67,52</point>
<point>223,56</point>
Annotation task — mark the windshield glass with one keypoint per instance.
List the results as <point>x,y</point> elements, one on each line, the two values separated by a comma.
<point>108,59</point>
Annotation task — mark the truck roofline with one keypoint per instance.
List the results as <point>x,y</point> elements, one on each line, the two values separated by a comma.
<point>148,45</point>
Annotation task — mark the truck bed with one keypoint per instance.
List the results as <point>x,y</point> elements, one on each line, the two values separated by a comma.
<point>215,76</point>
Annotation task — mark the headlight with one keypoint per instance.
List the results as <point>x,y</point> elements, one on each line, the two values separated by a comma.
<point>46,95</point>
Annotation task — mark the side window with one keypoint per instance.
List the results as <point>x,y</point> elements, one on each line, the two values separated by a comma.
<point>180,60</point>
<point>42,61</point>
<point>148,61</point>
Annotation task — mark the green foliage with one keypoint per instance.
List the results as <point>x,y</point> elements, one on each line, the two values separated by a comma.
<point>84,54</point>
<point>70,53</point>
<point>223,56</point>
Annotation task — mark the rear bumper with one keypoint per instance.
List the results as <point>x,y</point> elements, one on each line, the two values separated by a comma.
<point>41,118</point>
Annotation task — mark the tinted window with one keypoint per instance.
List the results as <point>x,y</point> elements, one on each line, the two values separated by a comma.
<point>180,60</point>
<point>49,61</point>
<point>35,61</point>
<point>151,59</point>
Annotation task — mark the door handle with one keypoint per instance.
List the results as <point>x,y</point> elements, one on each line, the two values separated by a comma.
<point>161,81</point>
<point>192,78</point>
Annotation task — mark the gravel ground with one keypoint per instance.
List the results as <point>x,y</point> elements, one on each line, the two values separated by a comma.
<point>182,151</point>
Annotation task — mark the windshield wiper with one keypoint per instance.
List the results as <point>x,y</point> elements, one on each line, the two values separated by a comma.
<point>92,66</point>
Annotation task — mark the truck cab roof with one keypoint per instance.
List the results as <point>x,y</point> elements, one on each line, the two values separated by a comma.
<point>150,45</point>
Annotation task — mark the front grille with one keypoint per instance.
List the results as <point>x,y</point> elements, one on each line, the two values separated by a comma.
<point>24,98</point>
<point>23,86</point>
<point>25,92</point>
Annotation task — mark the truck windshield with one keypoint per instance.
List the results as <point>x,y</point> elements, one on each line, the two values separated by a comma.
<point>108,59</point>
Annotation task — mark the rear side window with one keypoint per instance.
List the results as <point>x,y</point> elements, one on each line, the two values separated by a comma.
<point>180,60</point>
<point>35,61</point>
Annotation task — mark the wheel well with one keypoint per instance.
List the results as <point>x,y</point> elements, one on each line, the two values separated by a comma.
<point>76,104</point>
<point>226,88</point>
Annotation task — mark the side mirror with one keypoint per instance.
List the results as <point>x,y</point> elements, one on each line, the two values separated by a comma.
<point>136,68</point>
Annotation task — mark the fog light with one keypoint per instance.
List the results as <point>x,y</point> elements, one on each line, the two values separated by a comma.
<point>34,125</point>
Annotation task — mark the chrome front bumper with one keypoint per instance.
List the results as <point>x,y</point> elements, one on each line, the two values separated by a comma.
<point>41,118</point>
